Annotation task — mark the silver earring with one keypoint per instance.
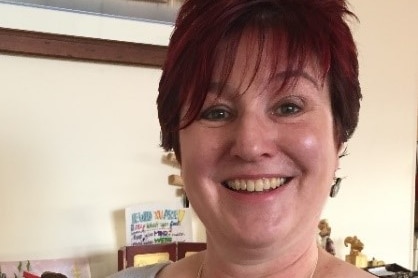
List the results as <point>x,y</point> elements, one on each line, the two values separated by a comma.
<point>335,188</point>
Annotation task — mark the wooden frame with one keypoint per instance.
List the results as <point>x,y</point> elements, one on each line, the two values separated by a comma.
<point>19,42</point>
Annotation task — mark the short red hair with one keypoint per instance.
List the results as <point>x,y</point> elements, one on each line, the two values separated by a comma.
<point>306,27</point>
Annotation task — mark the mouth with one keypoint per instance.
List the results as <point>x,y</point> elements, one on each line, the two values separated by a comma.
<point>255,185</point>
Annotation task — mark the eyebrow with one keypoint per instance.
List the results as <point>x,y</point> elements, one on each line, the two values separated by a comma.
<point>297,73</point>
<point>216,87</point>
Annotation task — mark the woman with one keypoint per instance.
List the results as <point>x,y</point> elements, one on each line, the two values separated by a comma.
<point>257,99</point>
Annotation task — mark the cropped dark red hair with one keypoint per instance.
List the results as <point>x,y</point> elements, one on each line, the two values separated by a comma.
<point>307,28</point>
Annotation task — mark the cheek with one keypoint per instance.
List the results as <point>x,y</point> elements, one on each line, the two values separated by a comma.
<point>314,147</point>
<point>185,146</point>
<point>193,150</point>
<point>200,147</point>
<point>310,143</point>
<point>317,150</point>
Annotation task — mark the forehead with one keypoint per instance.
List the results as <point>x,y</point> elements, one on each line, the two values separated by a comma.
<point>256,56</point>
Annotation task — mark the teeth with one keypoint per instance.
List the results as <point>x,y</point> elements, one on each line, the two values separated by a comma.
<point>258,185</point>
<point>266,184</point>
<point>250,186</point>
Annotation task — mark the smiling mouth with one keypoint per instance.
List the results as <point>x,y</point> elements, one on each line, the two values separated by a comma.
<point>257,185</point>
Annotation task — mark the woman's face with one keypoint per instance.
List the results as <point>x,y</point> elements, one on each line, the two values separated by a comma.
<point>258,162</point>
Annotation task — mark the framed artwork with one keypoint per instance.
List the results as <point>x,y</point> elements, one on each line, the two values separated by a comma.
<point>162,11</point>
<point>32,43</point>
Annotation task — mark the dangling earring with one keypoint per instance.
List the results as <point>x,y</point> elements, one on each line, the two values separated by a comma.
<point>335,188</point>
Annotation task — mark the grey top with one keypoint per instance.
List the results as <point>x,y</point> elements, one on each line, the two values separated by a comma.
<point>148,271</point>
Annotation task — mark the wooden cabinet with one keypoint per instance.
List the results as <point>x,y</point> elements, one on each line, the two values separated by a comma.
<point>142,255</point>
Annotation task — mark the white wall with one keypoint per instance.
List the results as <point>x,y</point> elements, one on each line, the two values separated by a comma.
<point>377,197</point>
<point>79,141</point>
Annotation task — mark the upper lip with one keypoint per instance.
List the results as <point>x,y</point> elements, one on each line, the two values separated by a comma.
<point>255,177</point>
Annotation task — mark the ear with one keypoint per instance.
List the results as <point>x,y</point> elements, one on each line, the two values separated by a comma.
<point>342,149</point>
<point>341,152</point>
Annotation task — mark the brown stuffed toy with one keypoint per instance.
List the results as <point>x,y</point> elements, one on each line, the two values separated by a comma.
<point>52,275</point>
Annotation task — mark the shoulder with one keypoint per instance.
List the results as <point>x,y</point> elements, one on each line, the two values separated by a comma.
<point>149,271</point>
<point>186,267</point>
<point>332,267</point>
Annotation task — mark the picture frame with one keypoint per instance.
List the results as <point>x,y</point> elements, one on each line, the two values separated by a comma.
<point>31,43</point>
<point>61,46</point>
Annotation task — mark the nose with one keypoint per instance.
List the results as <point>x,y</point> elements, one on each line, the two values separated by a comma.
<point>253,138</point>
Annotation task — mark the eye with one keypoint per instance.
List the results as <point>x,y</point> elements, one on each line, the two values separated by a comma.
<point>287,109</point>
<point>216,113</point>
<point>289,106</point>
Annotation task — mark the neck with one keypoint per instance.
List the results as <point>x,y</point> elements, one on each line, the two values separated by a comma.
<point>300,262</point>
